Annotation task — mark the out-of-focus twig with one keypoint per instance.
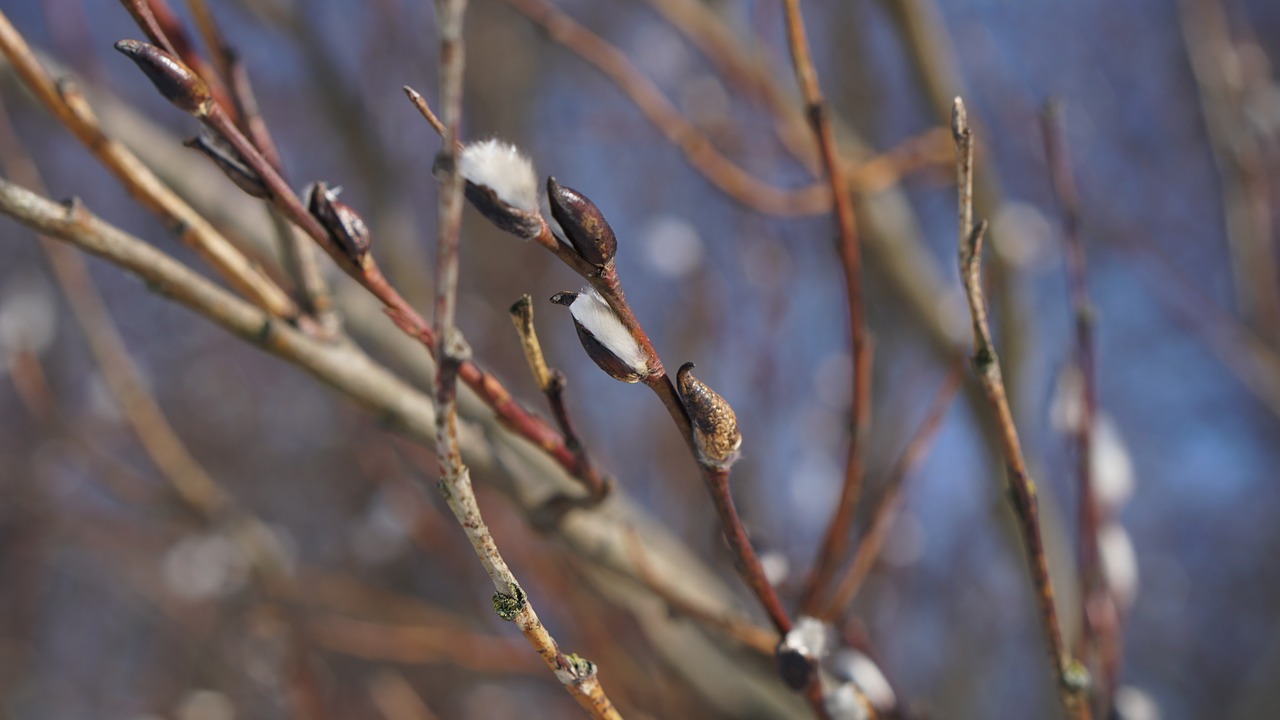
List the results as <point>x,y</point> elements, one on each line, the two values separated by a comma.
<point>700,152</point>
<point>421,644</point>
<point>741,629</point>
<point>1071,679</point>
<point>886,509</point>
<point>1103,634</point>
<point>70,107</point>
<point>121,375</point>
<point>834,543</point>
<point>396,699</point>
<point>1222,79</point>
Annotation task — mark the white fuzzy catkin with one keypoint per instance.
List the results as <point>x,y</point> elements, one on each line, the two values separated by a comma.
<point>1119,563</point>
<point>593,313</point>
<point>849,664</point>
<point>1112,467</point>
<point>809,636</point>
<point>503,169</point>
<point>843,703</point>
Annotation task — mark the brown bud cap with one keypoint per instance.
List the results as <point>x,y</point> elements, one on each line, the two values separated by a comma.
<point>506,217</point>
<point>345,226</point>
<point>583,223</point>
<point>715,427</point>
<point>795,667</point>
<point>176,82</point>
<point>229,162</point>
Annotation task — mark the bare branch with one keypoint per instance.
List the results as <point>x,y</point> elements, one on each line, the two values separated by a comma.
<point>1070,676</point>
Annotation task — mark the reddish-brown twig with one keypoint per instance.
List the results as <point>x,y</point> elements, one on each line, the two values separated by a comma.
<point>836,538</point>
<point>886,509</point>
<point>1070,677</point>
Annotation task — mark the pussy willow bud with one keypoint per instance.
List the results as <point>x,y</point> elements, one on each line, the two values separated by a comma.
<point>501,184</point>
<point>715,427</point>
<point>603,335</point>
<point>583,223</point>
<point>344,225</point>
<point>175,81</point>
<point>229,162</point>
<point>801,650</point>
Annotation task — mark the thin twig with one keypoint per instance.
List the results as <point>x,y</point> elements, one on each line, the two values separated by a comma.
<point>70,107</point>
<point>1070,677</point>
<point>938,67</point>
<point>886,510</point>
<point>552,384</point>
<point>835,541</point>
<point>577,675</point>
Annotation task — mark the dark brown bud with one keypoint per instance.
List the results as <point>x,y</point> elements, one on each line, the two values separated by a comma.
<point>583,223</point>
<point>229,162</point>
<point>345,226</point>
<point>175,81</point>
<point>795,667</point>
<point>715,426</point>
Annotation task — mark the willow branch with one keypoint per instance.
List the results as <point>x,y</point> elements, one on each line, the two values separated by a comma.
<point>1071,678</point>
